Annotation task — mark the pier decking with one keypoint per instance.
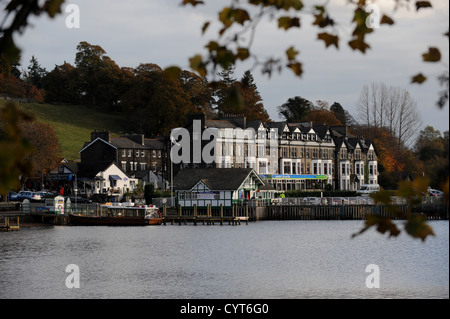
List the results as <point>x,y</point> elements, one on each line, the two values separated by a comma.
<point>8,223</point>
<point>206,215</point>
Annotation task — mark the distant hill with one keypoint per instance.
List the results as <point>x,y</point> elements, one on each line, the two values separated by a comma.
<point>73,124</point>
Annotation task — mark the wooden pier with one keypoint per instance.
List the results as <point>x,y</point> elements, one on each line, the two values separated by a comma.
<point>206,215</point>
<point>7,223</point>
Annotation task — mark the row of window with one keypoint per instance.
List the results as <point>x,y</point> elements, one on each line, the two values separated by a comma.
<point>228,149</point>
<point>307,168</point>
<point>135,165</point>
<point>347,169</point>
<point>140,153</point>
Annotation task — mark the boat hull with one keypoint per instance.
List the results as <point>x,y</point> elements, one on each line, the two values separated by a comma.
<point>79,220</point>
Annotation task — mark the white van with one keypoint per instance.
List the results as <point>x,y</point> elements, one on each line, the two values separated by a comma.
<point>367,189</point>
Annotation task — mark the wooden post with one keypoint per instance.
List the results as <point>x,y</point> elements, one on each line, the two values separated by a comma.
<point>233,215</point>
<point>164,214</point>
<point>195,215</point>
<point>246,214</point>
<point>221,214</point>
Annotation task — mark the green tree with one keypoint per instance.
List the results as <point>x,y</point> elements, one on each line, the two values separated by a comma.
<point>36,73</point>
<point>200,91</point>
<point>339,112</point>
<point>252,101</point>
<point>15,149</point>
<point>61,85</point>
<point>156,103</point>
<point>295,109</point>
<point>431,148</point>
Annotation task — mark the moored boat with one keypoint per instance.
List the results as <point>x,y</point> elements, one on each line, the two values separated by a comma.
<point>115,215</point>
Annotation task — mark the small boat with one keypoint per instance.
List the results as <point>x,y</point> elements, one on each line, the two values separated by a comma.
<point>115,215</point>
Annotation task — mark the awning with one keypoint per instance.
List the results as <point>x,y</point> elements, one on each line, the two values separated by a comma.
<point>115,177</point>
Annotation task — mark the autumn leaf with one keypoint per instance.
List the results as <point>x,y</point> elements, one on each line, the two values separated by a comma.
<point>382,225</point>
<point>230,15</point>
<point>53,7</point>
<point>172,73</point>
<point>296,67</point>
<point>329,39</point>
<point>422,4</point>
<point>288,22</point>
<point>386,20</point>
<point>242,53</point>
<point>417,227</point>
<point>192,2</point>
<point>419,78</point>
<point>291,53</point>
<point>280,4</point>
<point>359,44</point>
<point>196,64</point>
<point>433,55</point>
<point>205,26</point>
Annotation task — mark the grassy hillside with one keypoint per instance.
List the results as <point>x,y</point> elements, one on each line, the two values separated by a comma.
<point>73,124</point>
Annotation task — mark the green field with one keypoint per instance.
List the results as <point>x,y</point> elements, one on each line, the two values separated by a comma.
<point>73,124</point>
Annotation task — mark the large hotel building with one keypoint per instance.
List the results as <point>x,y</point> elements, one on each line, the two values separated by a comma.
<point>289,156</point>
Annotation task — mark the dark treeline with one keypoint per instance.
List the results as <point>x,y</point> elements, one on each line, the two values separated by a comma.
<point>152,100</point>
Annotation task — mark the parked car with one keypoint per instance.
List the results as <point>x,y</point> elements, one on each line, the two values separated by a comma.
<point>31,196</point>
<point>12,196</point>
<point>435,192</point>
<point>80,200</point>
<point>45,194</point>
<point>367,189</point>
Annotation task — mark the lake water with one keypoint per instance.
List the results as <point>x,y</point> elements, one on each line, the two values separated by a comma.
<point>269,259</point>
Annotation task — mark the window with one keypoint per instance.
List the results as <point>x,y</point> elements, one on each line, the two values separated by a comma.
<point>315,168</point>
<point>287,168</point>
<point>261,151</point>
<point>124,153</point>
<point>315,153</point>
<point>142,153</point>
<point>143,166</point>
<point>129,153</point>
<point>294,152</point>
<point>124,166</point>
<point>137,153</point>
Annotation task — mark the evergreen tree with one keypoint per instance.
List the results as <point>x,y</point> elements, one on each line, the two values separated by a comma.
<point>36,73</point>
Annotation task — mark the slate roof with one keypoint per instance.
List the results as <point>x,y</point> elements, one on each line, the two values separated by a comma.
<point>214,178</point>
<point>220,124</point>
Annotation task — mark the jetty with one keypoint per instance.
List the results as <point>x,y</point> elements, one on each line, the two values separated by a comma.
<point>9,223</point>
<point>206,215</point>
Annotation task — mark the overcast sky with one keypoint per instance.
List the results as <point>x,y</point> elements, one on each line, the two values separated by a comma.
<point>165,33</point>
